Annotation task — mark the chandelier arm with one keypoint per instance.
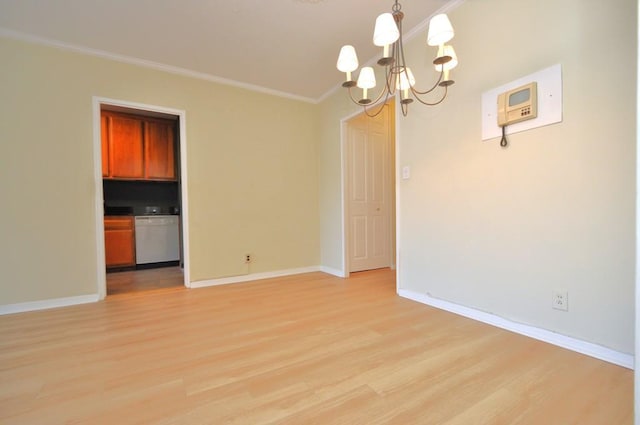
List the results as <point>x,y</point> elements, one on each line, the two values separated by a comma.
<point>389,72</point>
<point>388,92</point>
<point>366,111</point>
<point>364,105</point>
<point>375,114</point>
<point>405,109</point>
<point>384,92</point>
<point>352,98</point>
<point>404,61</point>
<point>436,103</point>
<point>435,86</point>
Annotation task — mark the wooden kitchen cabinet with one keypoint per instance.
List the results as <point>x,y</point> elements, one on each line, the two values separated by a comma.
<point>137,147</point>
<point>159,150</point>
<point>119,241</point>
<point>126,148</point>
<point>104,129</point>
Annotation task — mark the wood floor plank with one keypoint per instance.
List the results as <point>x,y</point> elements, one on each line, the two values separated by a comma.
<point>306,349</point>
<point>130,281</point>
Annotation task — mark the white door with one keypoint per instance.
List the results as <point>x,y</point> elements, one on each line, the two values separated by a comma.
<point>369,192</point>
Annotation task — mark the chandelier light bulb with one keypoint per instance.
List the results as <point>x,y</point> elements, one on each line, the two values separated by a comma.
<point>446,67</point>
<point>440,30</point>
<point>447,50</point>
<point>366,81</point>
<point>404,83</point>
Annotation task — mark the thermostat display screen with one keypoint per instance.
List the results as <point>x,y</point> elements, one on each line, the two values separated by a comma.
<point>519,97</point>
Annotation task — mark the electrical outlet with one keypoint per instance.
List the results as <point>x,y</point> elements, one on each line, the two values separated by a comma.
<point>247,258</point>
<point>560,299</point>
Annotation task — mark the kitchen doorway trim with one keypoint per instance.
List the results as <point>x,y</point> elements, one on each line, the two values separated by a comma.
<point>98,103</point>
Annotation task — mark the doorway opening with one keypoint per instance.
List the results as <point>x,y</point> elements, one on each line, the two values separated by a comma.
<point>369,195</point>
<point>141,197</point>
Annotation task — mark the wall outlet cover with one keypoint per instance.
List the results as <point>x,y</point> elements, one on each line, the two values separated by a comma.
<point>560,299</point>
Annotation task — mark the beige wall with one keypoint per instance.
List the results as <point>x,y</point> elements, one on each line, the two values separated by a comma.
<point>498,229</point>
<point>332,111</point>
<point>252,171</point>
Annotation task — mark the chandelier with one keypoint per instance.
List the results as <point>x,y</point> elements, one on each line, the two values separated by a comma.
<point>398,76</point>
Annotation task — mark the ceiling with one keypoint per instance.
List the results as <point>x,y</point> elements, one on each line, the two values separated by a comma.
<point>287,47</point>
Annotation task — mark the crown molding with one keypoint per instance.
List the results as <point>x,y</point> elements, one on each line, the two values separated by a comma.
<point>20,36</point>
<point>16,35</point>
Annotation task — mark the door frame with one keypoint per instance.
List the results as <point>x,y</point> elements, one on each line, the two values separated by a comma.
<point>98,102</point>
<point>393,207</point>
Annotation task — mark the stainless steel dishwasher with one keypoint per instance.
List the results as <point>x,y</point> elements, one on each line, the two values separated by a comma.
<point>157,239</point>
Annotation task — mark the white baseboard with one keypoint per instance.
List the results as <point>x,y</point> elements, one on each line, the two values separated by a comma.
<point>574,344</point>
<point>252,276</point>
<point>46,304</point>
<point>332,271</point>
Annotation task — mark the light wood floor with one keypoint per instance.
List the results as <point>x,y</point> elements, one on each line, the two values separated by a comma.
<point>308,349</point>
<point>144,280</point>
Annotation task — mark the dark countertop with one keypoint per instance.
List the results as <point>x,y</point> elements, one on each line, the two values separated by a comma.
<point>140,210</point>
<point>118,210</point>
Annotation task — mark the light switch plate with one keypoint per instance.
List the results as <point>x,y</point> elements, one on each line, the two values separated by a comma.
<point>406,172</point>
